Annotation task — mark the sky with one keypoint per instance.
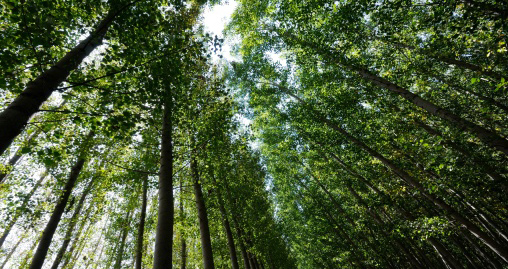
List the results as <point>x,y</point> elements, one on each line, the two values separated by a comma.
<point>215,19</point>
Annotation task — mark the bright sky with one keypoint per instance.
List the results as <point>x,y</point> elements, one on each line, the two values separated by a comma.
<point>215,20</point>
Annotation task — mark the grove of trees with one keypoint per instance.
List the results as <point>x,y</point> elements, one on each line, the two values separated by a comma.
<point>343,134</point>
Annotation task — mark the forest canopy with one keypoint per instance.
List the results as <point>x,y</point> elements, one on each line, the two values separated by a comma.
<point>339,134</point>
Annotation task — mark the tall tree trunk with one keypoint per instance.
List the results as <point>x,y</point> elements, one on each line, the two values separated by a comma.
<point>13,250</point>
<point>72,224</point>
<point>227,226</point>
<point>164,237</point>
<point>125,232</point>
<point>49,231</point>
<point>17,156</point>
<point>77,238</point>
<point>183,252</point>
<point>488,137</point>
<point>499,249</point>
<point>23,206</point>
<point>141,228</point>
<point>206,242</point>
<point>487,169</point>
<point>452,61</point>
<point>15,117</point>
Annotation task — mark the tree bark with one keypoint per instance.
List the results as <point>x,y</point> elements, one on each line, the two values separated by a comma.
<point>164,237</point>
<point>227,227</point>
<point>125,232</point>
<point>183,254</point>
<point>23,206</point>
<point>487,169</point>
<point>500,250</point>
<point>141,228</point>
<point>72,224</point>
<point>49,231</point>
<point>15,117</point>
<point>206,242</point>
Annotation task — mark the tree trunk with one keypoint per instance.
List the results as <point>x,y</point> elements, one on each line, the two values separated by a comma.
<point>488,137</point>
<point>413,182</point>
<point>206,242</point>
<point>17,156</point>
<point>15,117</point>
<point>227,227</point>
<point>164,237</point>
<point>72,224</point>
<point>13,250</point>
<point>125,232</point>
<point>141,228</point>
<point>23,206</point>
<point>487,169</point>
<point>183,254</point>
<point>77,238</point>
<point>49,231</point>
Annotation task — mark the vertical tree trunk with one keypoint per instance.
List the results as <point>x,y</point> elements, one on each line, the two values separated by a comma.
<point>141,228</point>
<point>49,231</point>
<point>227,227</point>
<point>72,224</point>
<point>206,242</point>
<point>15,117</point>
<point>183,254</point>
<point>125,232</point>
<point>23,206</point>
<point>77,238</point>
<point>164,237</point>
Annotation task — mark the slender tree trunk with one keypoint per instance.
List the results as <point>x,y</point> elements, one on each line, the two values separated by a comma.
<point>77,238</point>
<point>141,228</point>
<point>227,228</point>
<point>15,117</point>
<point>23,264</point>
<point>490,171</point>
<point>13,250</point>
<point>125,232</point>
<point>23,206</point>
<point>445,255</point>
<point>499,249</point>
<point>72,224</point>
<point>488,137</point>
<point>183,243</point>
<point>452,61</point>
<point>164,237</point>
<point>17,156</point>
<point>49,231</point>
<point>206,242</point>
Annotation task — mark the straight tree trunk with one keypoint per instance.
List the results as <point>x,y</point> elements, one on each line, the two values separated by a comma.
<point>227,228</point>
<point>15,117</point>
<point>125,232</point>
<point>141,228</point>
<point>17,156</point>
<point>164,236</point>
<point>72,224</point>
<point>206,242</point>
<point>77,238</point>
<point>499,249</point>
<point>49,231</point>
<point>23,206</point>
<point>490,171</point>
<point>183,254</point>
<point>488,137</point>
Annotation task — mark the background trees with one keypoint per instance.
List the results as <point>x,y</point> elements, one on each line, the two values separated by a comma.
<point>378,136</point>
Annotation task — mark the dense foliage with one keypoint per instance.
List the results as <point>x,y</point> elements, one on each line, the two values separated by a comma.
<point>347,134</point>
